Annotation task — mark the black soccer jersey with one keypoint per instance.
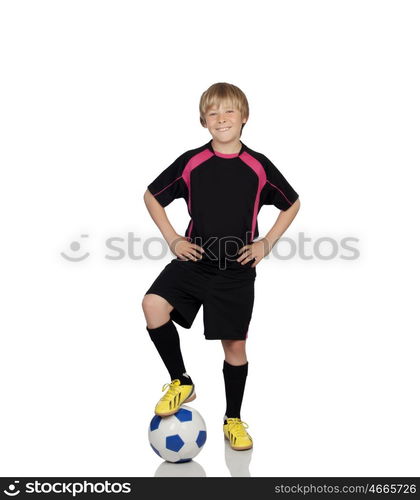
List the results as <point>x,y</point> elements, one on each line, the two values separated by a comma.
<point>224,193</point>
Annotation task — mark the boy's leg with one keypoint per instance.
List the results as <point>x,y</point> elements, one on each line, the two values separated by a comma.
<point>235,375</point>
<point>165,336</point>
<point>235,371</point>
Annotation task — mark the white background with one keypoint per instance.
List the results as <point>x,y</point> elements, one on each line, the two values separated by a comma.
<point>97,98</point>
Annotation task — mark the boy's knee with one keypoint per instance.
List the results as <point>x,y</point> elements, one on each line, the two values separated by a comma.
<point>155,303</point>
<point>235,346</point>
<point>147,303</point>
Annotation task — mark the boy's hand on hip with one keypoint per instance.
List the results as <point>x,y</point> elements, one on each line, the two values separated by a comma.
<point>184,249</point>
<point>254,251</point>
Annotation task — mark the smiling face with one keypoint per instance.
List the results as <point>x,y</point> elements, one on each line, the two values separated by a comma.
<point>224,123</point>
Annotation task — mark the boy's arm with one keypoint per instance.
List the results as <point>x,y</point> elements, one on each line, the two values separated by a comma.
<point>158,214</point>
<point>178,244</point>
<point>283,221</point>
<point>259,249</point>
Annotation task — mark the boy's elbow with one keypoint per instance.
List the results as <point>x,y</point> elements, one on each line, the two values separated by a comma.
<point>295,205</point>
<point>150,199</point>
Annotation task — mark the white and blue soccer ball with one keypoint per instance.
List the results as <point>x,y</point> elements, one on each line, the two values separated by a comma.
<point>179,437</point>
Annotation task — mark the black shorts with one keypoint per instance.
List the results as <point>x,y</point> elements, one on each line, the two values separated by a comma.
<point>227,296</point>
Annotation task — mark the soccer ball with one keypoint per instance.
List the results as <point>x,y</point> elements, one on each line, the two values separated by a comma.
<point>179,437</point>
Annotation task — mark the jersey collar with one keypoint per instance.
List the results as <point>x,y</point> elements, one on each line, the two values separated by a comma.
<point>223,155</point>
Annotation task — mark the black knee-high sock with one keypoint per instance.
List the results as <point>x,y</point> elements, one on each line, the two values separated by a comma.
<point>166,340</point>
<point>235,378</point>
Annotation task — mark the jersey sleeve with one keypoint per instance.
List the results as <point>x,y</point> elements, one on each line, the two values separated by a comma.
<point>277,190</point>
<point>169,184</point>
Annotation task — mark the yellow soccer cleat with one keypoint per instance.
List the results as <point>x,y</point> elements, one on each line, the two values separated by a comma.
<point>235,432</point>
<point>176,395</point>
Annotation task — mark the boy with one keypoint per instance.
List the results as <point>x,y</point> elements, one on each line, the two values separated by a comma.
<point>224,184</point>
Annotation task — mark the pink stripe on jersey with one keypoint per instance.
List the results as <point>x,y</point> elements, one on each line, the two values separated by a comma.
<point>262,179</point>
<point>190,230</point>
<point>274,186</point>
<point>194,162</point>
<point>166,187</point>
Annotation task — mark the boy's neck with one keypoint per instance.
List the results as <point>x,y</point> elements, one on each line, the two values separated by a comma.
<point>227,148</point>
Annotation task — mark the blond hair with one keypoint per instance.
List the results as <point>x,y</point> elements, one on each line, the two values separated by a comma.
<point>223,91</point>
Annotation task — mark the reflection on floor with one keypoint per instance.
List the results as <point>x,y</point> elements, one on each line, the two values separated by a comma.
<point>236,461</point>
<point>187,469</point>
